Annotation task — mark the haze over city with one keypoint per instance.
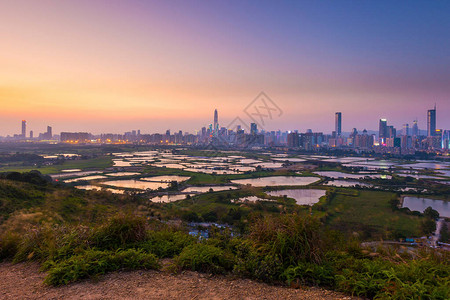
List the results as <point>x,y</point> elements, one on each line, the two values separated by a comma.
<point>114,66</point>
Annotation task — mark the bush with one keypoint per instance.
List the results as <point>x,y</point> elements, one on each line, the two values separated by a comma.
<point>429,212</point>
<point>9,243</point>
<point>254,264</point>
<point>37,244</point>
<point>120,231</point>
<point>276,243</point>
<point>421,279</point>
<point>204,258</point>
<point>428,226</point>
<point>190,216</point>
<point>92,263</point>
<point>210,216</point>
<point>445,233</point>
<point>166,243</point>
<point>70,241</point>
<point>310,274</point>
<point>290,238</point>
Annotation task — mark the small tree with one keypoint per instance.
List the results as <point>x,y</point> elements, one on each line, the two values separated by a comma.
<point>394,203</point>
<point>445,234</point>
<point>428,226</point>
<point>429,212</point>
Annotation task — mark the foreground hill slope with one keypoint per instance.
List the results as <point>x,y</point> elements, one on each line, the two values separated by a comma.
<point>24,281</point>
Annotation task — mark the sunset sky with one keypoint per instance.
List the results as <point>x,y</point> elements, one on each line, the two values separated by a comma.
<point>114,66</point>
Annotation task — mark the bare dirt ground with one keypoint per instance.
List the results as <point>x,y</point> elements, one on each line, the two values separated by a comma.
<point>24,281</point>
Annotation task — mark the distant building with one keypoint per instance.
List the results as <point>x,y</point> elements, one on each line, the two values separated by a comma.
<point>393,142</point>
<point>46,135</point>
<point>311,140</point>
<point>24,128</point>
<point>338,124</point>
<point>253,128</point>
<point>405,129</point>
<point>415,129</point>
<point>431,122</point>
<point>382,132</point>
<point>293,140</point>
<point>391,132</point>
<point>75,137</point>
<point>364,141</point>
<point>446,139</point>
<point>216,122</point>
<point>406,142</point>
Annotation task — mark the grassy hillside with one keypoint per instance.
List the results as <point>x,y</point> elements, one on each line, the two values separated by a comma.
<point>92,163</point>
<point>76,234</point>
<point>370,214</point>
<point>33,198</point>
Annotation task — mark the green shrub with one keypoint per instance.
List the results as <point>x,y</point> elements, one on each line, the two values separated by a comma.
<point>119,232</point>
<point>92,263</point>
<point>310,274</point>
<point>266,268</point>
<point>52,243</point>
<point>9,243</point>
<point>277,243</point>
<point>190,216</point>
<point>204,258</point>
<point>166,243</point>
<point>417,279</point>
<point>210,216</point>
<point>252,263</point>
<point>69,241</point>
<point>37,244</point>
<point>290,238</point>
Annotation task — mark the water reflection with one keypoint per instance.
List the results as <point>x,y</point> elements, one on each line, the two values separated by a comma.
<point>136,184</point>
<point>277,181</point>
<point>420,204</point>
<point>301,196</point>
<point>170,198</point>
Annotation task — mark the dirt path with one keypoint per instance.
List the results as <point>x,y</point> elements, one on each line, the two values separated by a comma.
<point>24,281</point>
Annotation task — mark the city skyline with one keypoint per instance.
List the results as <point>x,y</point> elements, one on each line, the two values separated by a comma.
<point>238,135</point>
<point>215,127</point>
<point>113,66</point>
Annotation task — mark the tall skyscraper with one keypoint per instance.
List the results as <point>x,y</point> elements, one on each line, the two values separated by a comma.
<point>405,129</point>
<point>382,132</point>
<point>24,128</point>
<point>431,122</point>
<point>415,128</point>
<point>216,120</point>
<point>391,132</point>
<point>253,128</point>
<point>338,124</point>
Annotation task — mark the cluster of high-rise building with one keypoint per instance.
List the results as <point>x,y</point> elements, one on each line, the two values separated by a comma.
<point>408,140</point>
<point>45,136</point>
<point>387,139</point>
